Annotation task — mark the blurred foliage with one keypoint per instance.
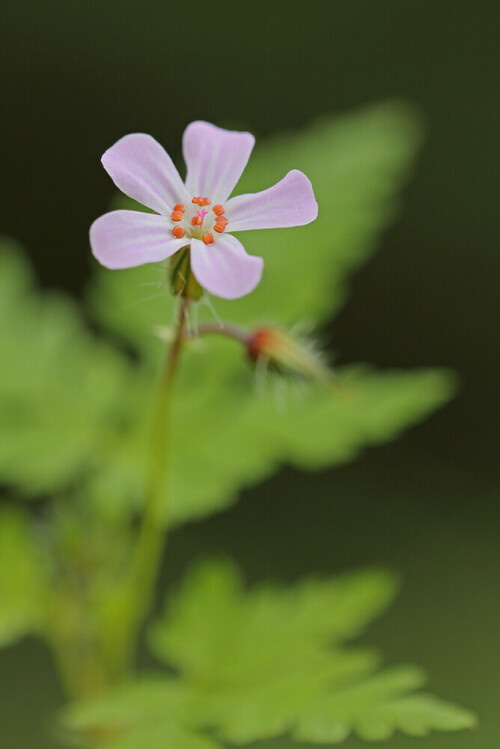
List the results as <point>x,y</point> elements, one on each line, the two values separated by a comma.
<point>259,664</point>
<point>23,588</point>
<point>62,391</point>
<point>76,409</point>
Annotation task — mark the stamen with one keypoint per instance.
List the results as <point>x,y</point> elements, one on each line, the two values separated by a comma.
<point>177,215</point>
<point>201,201</point>
<point>218,209</point>
<point>208,238</point>
<point>178,232</point>
<point>179,207</point>
<point>220,224</point>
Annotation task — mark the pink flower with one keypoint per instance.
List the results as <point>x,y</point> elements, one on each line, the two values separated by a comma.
<point>198,212</point>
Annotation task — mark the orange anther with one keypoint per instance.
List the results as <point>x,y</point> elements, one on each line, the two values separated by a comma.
<point>221,220</point>
<point>179,207</point>
<point>197,201</point>
<point>197,221</point>
<point>219,228</point>
<point>206,201</point>
<point>218,209</point>
<point>178,232</point>
<point>208,238</point>
<point>177,215</point>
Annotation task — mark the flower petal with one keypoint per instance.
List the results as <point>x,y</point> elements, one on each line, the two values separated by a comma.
<point>124,239</point>
<point>290,202</point>
<point>215,159</point>
<point>224,268</point>
<point>143,170</point>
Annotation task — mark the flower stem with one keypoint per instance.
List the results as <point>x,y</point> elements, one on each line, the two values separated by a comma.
<point>143,572</point>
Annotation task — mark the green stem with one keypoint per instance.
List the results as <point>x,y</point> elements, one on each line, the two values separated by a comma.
<point>150,542</point>
<point>141,580</point>
<point>81,671</point>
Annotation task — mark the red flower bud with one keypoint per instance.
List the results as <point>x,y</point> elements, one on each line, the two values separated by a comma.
<point>288,354</point>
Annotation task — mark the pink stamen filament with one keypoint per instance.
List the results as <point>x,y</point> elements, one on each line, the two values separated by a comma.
<point>198,219</point>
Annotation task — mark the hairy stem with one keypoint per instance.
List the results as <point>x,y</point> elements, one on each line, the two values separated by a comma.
<point>139,588</point>
<point>149,544</point>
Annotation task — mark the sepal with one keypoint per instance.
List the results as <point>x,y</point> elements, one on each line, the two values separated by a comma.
<point>182,279</point>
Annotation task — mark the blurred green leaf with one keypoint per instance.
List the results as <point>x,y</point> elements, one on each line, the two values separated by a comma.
<point>239,632</point>
<point>146,714</point>
<point>23,587</point>
<point>378,707</point>
<point>230,433</point>
<point>357,164</point>
<point>75,411</point>
<point>269,662</point>
<point>63,393</point>
<point>243,435</point>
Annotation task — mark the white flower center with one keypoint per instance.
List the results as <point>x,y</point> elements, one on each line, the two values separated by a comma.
<point>198,221</point>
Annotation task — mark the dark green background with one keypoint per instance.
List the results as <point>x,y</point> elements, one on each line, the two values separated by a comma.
<point>75,76</point>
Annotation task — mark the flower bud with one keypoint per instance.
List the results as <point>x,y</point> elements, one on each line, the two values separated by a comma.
<point>288,354</point>
<point>182,280</point>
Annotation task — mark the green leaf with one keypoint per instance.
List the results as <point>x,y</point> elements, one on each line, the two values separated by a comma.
<point>242,435</point>
<point>23,587</point>
<point>230,433</point>
<point>74,412</point>
<point>357,164</point>
<point>377,707</point>
<point>236,626</point>
<point>142,714</point>
<point>253,665</point>
<point>272,659</point>
<point>63,393</point>
<point>77,412</point>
